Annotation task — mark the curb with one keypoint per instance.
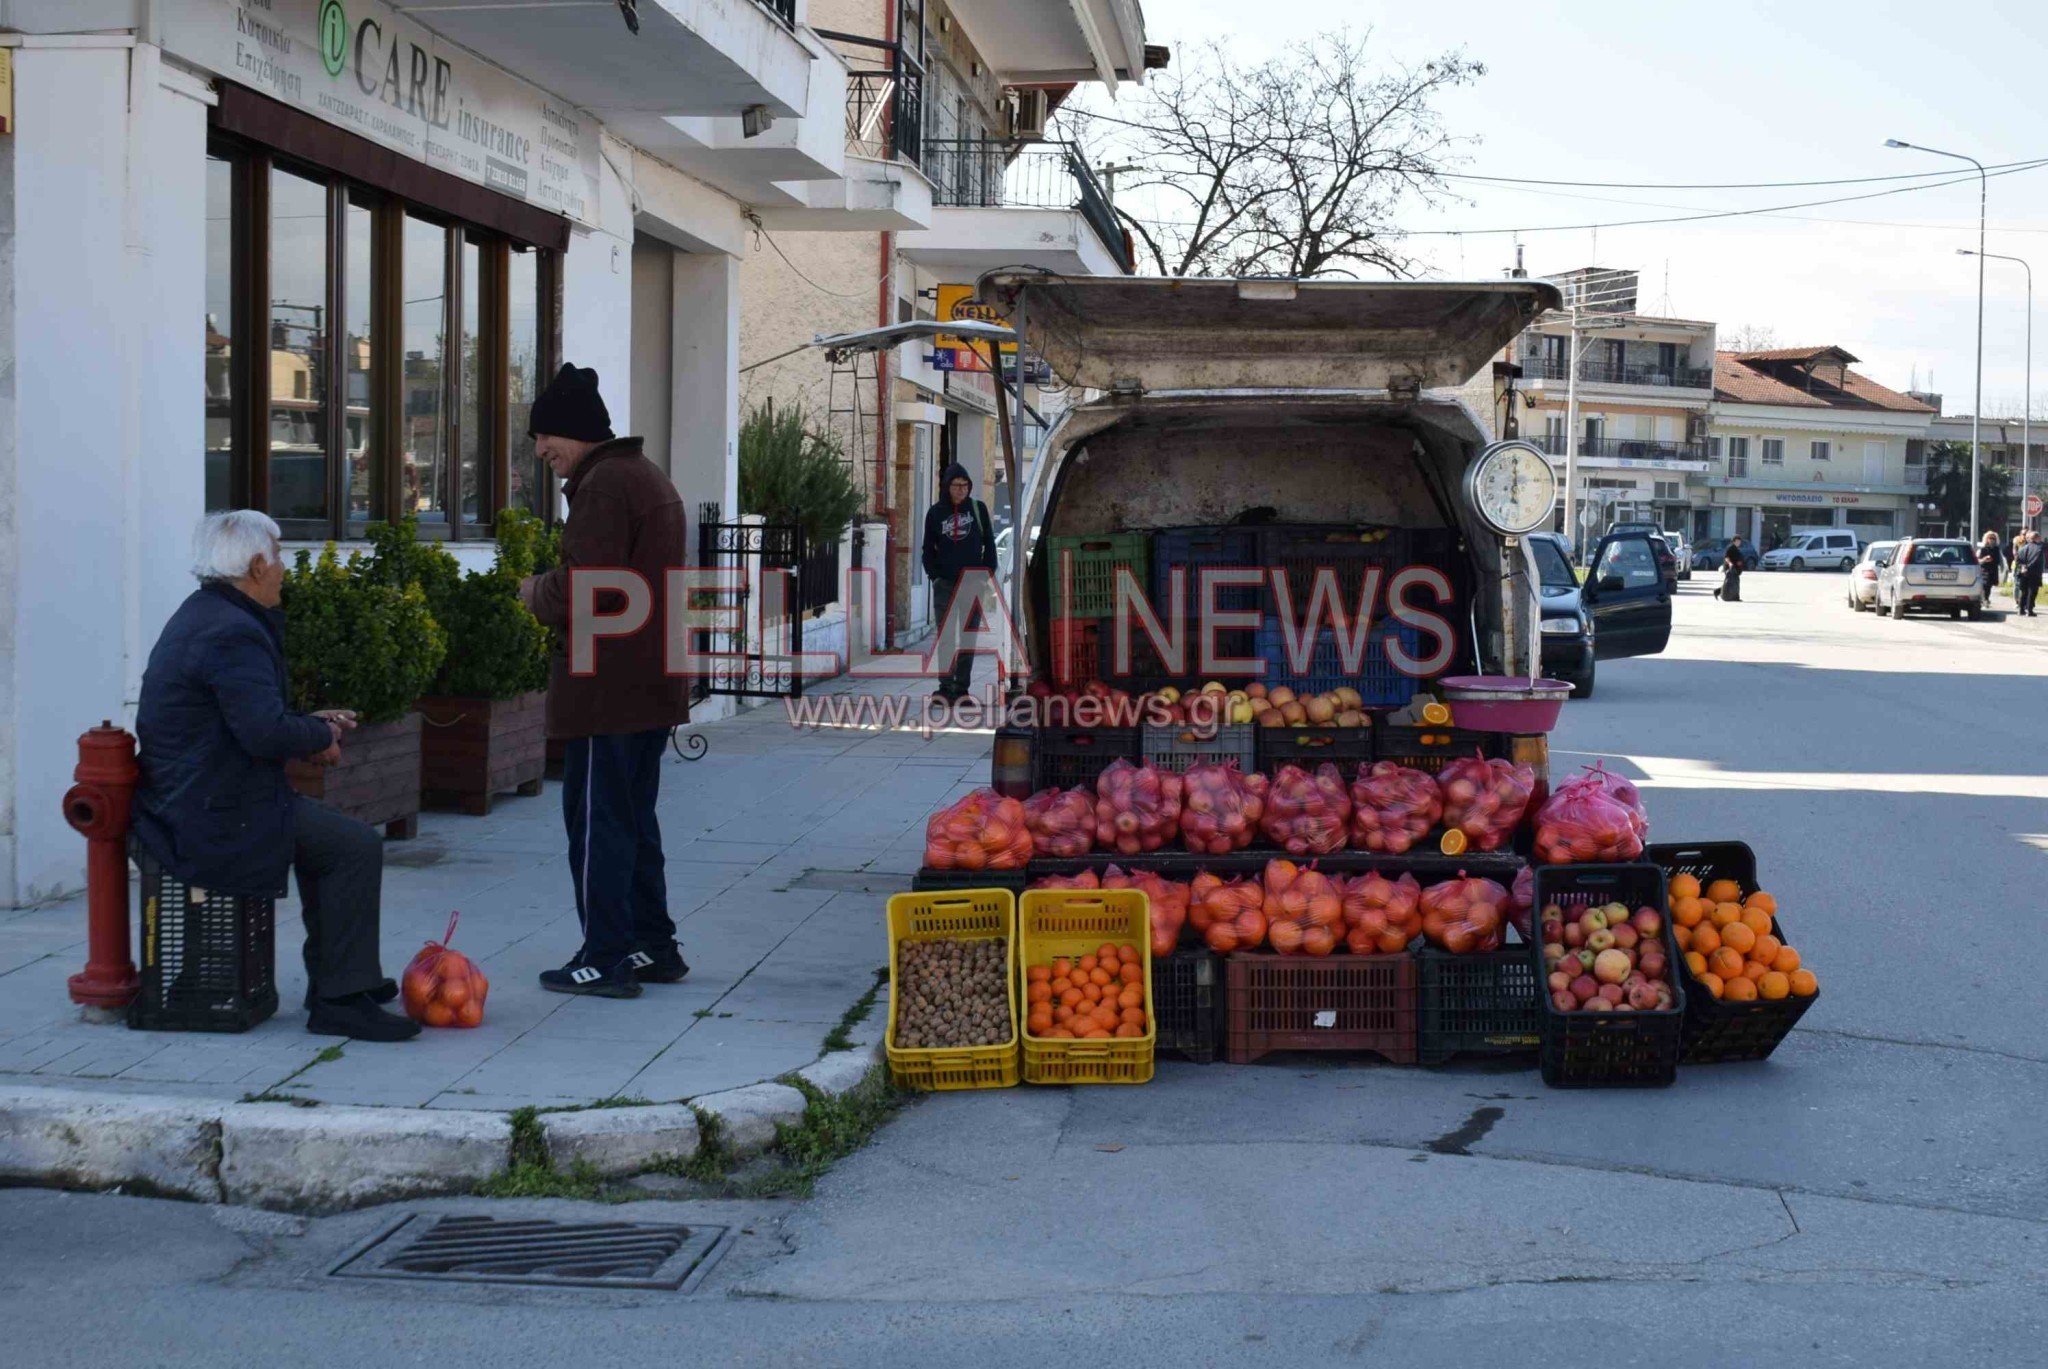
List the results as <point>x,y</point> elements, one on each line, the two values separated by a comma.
<point>330,1157</point>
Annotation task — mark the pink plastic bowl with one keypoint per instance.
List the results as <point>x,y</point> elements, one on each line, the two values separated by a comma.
<point>1505,703</point>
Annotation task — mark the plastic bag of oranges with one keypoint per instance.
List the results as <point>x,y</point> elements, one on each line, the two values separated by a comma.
<point>444,988</point>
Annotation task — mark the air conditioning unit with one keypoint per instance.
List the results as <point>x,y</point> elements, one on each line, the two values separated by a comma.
<point>1029,110</point>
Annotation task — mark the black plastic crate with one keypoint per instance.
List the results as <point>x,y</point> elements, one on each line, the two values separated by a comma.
<point>1716,1030</point>
<point>1297,552</point>
<point>929,881</point>
<point>1608,1050</point>
<point>1430,749</point>
<point>1187,1001</point>
<point>1178,748</point>
<point>1192,549</point>
<point>1308,747</point>
<point>1062,757</point>
<point>208,958</point>
<point>1483,1004</point>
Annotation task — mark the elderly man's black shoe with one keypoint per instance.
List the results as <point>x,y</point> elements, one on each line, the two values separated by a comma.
<point>385,992</point>
<point>360,1019</point>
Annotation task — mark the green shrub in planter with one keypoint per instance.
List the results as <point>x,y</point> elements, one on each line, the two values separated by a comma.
<point>792,471</point>
<point>353,641</point>
<point>496,649</point>
<point>526,546</point>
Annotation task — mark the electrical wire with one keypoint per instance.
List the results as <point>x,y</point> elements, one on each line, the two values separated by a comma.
<point>769,238</point>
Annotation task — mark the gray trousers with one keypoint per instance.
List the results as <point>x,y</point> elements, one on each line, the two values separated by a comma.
<point>340,867</point>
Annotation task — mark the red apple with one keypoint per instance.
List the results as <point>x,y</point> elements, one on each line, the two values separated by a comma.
<point>1652,963</point>
<point>1624,936</point>
<point>1642,996</point>
<point>1599,1005</point>
<point>1552,955</point>
<point>1564,1002</point>
<point>1612,993</point>
<point>1602,940</point>
<point>1648,922</point>
<point>1574,935</point>
<point>1594,921</point>
<point>1585,987</point>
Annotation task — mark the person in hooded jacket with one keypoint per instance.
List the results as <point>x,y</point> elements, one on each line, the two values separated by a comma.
<point>958,537</point>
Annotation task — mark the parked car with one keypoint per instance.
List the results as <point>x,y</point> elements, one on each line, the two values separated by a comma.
<point>1565,626</point>
<point>1682,551</point>
<point>1835,548</point>
<point>1931,574</point>
<point>1863,579</point>
<point>1710,556</point>
<point>1660,550</point>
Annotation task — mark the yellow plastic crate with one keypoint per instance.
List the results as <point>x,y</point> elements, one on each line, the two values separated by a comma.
<point>957,915</point>
<point>1073,922</point>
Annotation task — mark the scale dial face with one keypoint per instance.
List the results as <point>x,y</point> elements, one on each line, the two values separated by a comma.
<point>1513,488</point>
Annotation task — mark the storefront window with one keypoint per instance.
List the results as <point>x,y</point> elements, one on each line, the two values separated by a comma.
<point>531,483</point>
<point>358,342</point>
<point>221,390</point>
<point>425,453</point>
<point>401,356</point>
<point>298,346</point>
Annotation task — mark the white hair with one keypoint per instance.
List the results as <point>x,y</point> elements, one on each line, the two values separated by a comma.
<point>224,544</point>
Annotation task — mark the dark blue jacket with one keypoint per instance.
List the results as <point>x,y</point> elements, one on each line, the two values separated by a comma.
<point>213,806</point>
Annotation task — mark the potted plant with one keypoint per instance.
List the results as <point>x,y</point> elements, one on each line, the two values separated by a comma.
<point>792,471</point>
<point>355,642</point>
<point>485,713</point>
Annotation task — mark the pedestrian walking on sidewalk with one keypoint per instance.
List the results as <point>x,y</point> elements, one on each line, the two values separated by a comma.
<point>616,719</point>
<point>1990,564</point>
<point>214,808</point>
<point>957,538</point>
<point>2027,565</point>
<point>1731,573</point>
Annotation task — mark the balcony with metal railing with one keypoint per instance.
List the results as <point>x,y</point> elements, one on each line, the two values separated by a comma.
<point>1631,451</point>
<point>974,175</point>
<point>884,102</point>
<point>785,10</point>
<point>1546,369</point>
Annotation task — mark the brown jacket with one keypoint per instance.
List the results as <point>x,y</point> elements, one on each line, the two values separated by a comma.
<point>623,512</point>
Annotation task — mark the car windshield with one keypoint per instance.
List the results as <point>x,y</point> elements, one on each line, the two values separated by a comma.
<point>1630,559</point>
<point>1939,554</point>
<point>1882,556</point>
<point>1805,539</point>
<point>1551,567</point>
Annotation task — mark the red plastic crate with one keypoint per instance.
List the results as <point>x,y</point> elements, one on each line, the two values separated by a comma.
<point>1349,1003</point>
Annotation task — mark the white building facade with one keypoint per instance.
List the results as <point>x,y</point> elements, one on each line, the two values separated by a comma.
<point>394,220</point>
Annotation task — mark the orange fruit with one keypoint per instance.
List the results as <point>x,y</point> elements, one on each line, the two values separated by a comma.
<point>1726,914</point>
<point>1062,968</point>
<point>1099,1034</point>
<point>1129,1030</point>
<point>1091,993</point>
<point>1038,974</point>
<point>1038,1023</point>
<point>1105,954</point>
<point>1726,962</point>
<point>1099,977</point>
<point>1136,1016</point>
<point>1687,912</point>
<point>1683,936</point>
<point>1061,985</point>
<point>1133,996</point>
<point>1725,891</point>
<point>1786,961</point>
<point>1762,900</point>
<point>1757,920</point>
<point>1695,962</point>
<point>1740,936</point>
<point>1713,983</point>
<point>1755,970</point>
<point>1774,985</point>
<point>1803,983</point>
<point>1766,948</point>
<point>1130,972</point>
<point>1070,998</point>
<point>1740,990</point>
<point>1684,886</point>
<point>1059,1034</point>
<point>1088,963</point>
<point>1453,843</point>
<point>1039,993</point>
<point>1706,940</point>
<point>1129,954</point>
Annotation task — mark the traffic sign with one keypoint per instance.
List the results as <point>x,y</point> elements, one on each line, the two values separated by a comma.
<point>2033,506</point>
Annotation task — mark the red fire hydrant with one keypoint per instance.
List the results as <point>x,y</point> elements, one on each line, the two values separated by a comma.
<point>97,806</point>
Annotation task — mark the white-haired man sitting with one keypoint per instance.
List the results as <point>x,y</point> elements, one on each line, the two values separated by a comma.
<point>214,807</point>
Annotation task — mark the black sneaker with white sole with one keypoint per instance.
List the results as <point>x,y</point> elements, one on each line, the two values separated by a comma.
<point>664,964</point>
<point>579,977</point>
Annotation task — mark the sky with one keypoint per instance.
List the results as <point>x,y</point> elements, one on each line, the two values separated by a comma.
<point>1604,90</point>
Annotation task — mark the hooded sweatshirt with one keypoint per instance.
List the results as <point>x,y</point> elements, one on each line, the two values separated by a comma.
<point>957,538</point>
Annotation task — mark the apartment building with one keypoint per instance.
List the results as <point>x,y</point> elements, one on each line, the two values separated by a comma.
<point>2001,442</point>
<point>394,218</point>
<point>946,111</point>
<point>1799,440</point>
<point>1644,385</point>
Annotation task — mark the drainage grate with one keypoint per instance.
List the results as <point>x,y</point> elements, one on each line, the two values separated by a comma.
<point>556,1254</point>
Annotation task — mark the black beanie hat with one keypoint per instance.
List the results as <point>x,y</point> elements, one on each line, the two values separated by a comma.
<point>571,407</point>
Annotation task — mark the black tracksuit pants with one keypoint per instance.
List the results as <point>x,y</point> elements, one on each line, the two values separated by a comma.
<point>609,788</point>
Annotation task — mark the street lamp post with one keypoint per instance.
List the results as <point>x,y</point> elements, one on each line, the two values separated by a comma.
<point>2027,404</point>
<point>1977,409</point>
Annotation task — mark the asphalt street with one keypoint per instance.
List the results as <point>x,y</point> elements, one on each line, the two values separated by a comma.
<point>1873,1195</point>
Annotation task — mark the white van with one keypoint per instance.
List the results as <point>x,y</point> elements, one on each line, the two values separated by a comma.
<point>1816,549</point>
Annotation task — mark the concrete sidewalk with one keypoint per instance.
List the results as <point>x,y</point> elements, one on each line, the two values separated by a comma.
<point>782,847</point>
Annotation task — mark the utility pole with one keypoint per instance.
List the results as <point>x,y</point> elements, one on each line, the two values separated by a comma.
<point>1109,174</point>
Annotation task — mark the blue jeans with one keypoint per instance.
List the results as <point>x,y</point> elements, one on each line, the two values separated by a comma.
<point>609,788</point>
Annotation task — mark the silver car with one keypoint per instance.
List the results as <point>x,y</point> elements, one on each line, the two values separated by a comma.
<point>1932,575</point>
<point>1863,578</point>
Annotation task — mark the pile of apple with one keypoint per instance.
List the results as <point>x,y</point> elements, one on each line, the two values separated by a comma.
<point>1212,704</point>
<point>1281,707</point>
<point>1606,959</point>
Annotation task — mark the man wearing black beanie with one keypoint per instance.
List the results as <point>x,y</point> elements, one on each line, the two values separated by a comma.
<point>623,514</point>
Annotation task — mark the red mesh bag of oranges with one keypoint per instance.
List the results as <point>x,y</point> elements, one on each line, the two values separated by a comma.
<point>1168,903</point>
<point>1229,916</point>
<point>1087,998</point>
<point>1304,910</point>
<point>984,831</point>
<point>1381,915</point>
<point>444,988</point>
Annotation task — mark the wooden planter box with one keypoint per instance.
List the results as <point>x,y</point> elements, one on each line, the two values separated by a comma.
<point>377,781</point>
<point>472,750</point>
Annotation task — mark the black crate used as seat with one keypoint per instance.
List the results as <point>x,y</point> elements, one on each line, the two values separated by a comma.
<point>1063,757</point>
<point>1609,1050</point>
<point>1187,1000</point>
<point>1719,1030</point>
<point>208,958</point>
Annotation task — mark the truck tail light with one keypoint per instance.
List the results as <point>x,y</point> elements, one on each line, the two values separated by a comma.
<point>1010,773</point>
<point>1532,751</point>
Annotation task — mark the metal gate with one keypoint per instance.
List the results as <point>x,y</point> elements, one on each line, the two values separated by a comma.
<point>753,664</point>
